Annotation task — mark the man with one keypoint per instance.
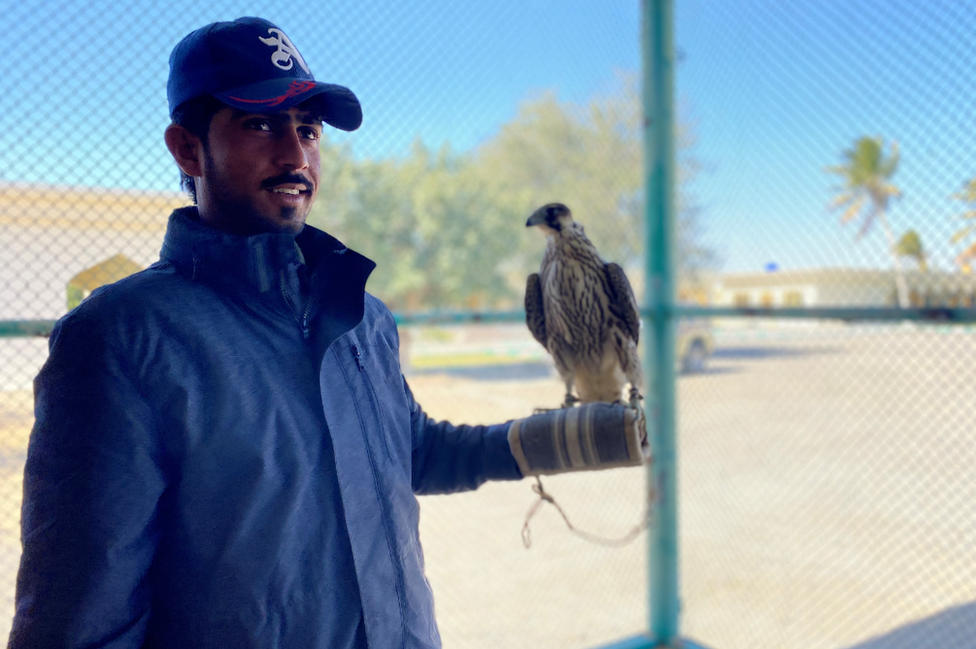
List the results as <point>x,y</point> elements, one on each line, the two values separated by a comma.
<point>225,452</point>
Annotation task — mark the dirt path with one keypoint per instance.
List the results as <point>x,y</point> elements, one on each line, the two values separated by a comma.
<point>827,501</point>
<point>827,489</point>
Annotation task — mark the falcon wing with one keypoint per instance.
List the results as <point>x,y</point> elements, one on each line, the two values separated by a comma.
<point>535,318</point>
<point>623,304</point>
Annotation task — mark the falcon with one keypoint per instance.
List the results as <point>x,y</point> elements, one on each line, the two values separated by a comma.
<point>584,313</point>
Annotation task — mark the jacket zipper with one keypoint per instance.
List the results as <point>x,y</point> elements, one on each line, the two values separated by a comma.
<point>374,401</point>
<point>307,303</point>
<point>386,516</point>
<point>306,307</point>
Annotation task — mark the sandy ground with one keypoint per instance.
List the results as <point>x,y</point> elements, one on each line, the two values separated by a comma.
<point>827,490</point>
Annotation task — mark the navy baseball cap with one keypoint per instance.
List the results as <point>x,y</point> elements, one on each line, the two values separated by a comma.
<point>250,64</point>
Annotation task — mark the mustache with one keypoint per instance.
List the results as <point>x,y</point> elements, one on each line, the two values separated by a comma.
<point>287,179</point>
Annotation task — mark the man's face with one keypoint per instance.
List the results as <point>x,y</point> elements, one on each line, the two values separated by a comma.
<point>260,171</point>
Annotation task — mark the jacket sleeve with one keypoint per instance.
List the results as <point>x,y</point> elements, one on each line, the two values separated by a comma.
<point>448,458</point>
<point>92,484</point>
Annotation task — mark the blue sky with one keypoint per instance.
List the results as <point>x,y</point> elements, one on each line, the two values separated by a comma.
<point>441,70</point>
<point>778,89</point>
<point>774,91</point>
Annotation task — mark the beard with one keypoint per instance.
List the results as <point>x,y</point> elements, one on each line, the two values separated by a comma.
<point>231,211</point>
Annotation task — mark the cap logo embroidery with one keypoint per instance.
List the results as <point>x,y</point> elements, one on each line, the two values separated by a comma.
<point>283,55</point>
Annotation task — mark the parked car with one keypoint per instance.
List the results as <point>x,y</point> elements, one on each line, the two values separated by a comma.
<point>694,344</point>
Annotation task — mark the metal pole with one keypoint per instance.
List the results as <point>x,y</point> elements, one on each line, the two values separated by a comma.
<point>658,94</point>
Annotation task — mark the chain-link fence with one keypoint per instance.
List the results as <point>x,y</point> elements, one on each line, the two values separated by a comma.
<point>825,159</point>
<point>474,115</point>
<point>826,471</point>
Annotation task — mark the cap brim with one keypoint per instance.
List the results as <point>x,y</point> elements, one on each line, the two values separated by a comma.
<point>339,106</point>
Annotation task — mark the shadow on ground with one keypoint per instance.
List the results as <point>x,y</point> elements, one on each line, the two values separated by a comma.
<point>505,372</point>
<point>710,370</point>
<point>759,353</point>
<point>544,369</point>
<point>953,628</point>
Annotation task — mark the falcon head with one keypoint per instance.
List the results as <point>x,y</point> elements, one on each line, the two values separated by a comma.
<point>551,218</point>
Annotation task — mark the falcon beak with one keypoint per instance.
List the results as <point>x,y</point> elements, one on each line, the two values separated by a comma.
<point>538,218</point>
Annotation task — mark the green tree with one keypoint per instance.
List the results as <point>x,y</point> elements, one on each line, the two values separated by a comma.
<point>967,196</point>
<point>362,203</point>
<point>590,157</point>
<point>587,159</point>
<point>866,193</point>
<point>432,225</point>
<point>448,229</point>
<point>910,245</point>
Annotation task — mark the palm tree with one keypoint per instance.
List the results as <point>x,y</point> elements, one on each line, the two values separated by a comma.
<point>910,245</point>
<point>866,173</point>
<point>967,195</point>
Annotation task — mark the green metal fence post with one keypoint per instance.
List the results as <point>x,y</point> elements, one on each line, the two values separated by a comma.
<point>658,96</point>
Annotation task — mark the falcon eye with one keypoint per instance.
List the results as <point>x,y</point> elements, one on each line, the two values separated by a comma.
<point>552,220</point>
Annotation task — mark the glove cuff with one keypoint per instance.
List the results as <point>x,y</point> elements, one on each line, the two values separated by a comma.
<point>591,436</point>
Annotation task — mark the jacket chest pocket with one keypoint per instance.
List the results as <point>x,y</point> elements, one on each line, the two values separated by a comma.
<point>385,414</point>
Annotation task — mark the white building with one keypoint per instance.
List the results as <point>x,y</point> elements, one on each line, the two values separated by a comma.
<point>50,234</point>
<point>842,287</point>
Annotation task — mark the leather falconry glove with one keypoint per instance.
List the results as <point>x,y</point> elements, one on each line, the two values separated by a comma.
<point>589,437</point>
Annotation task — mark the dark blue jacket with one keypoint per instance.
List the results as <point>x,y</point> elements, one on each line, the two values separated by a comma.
<point>218,461</point>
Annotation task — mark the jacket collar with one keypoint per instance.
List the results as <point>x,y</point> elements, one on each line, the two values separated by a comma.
<point>253,264</point>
